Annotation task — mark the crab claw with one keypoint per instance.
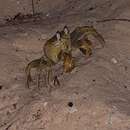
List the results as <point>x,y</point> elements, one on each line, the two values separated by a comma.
<point>84,32</point>
<point>85,46</point>
<point>68,64</point>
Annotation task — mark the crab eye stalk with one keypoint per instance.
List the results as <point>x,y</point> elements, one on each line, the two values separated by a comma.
<point>58,35</point>
<point>66,30</point>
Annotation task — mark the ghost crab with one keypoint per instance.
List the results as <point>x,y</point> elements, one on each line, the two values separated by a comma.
<point>60,48</point>
<point>56,50</point>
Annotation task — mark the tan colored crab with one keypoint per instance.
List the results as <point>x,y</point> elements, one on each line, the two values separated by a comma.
<point>57,53</point>
<point>59,48</point>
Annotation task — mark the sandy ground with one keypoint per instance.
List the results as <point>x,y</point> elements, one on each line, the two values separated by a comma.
<point>99,90</point>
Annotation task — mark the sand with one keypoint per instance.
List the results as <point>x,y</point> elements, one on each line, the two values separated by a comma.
<point>94,96</point>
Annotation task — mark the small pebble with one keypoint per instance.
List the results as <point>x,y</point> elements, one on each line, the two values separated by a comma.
<point>70,104</point>
<point>45,104</point>
<point>16,78</point>
<point>18,2</point>
<point>8,113</point>
<point>113,60</point>
<point>16,50</point>
<point>76,93</point>
<point>84,97</point>
<point>1,87</point>
<point>125,86</point>
<point>48,14</point>
<point>15,106</point>
<point>91,8</point>
<point>126,68</point>
<point>94,80</point>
